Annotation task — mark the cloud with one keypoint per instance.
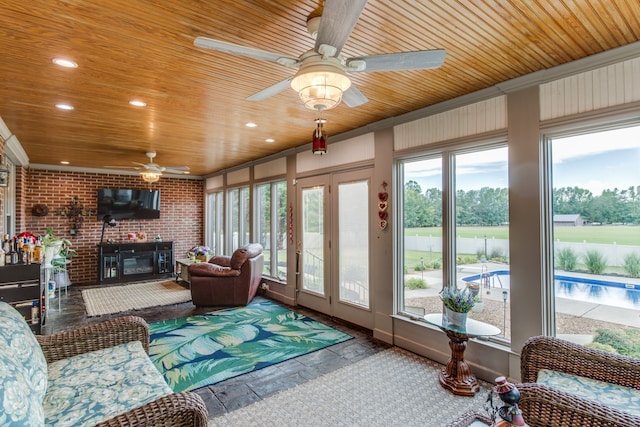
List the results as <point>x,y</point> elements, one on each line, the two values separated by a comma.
<point>595,143</point>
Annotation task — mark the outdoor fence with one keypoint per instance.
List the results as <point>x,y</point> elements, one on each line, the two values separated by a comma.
<point>614,254</point>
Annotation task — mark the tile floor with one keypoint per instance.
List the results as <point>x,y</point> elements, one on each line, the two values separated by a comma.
<point>243,390</point>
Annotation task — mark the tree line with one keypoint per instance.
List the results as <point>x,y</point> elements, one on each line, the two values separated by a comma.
<point>490,206</point>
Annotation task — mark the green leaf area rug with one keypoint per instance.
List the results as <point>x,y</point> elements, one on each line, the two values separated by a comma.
<point>196,351</point>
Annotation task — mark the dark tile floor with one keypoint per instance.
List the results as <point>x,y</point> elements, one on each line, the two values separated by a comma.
<point>243,390</point>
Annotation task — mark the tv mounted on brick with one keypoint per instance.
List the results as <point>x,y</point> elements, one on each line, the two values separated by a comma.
<point>128,203</point>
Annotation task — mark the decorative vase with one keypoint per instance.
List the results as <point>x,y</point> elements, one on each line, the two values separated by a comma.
<point>454,319</point>
<point>202,258</point>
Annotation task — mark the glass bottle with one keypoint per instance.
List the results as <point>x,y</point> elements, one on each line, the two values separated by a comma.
<point>7,254</point>
<point>6,244</point>
<point>24,252</point>
<point>37,251</point>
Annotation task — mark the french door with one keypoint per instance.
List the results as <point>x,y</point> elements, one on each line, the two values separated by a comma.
<point>334,256</point>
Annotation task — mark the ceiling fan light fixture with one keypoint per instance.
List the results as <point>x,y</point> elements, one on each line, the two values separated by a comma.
<point>320,85</point>
<point>150,177</point>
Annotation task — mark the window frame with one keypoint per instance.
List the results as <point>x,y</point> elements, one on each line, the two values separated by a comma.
<point>548,132</point>
<point>273,224</point>
<point>447,151</point>
<point>243,212</point>
<point>214,224</point>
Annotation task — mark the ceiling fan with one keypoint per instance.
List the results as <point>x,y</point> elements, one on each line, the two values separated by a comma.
<point>321,80</point>
<point>151,171</point>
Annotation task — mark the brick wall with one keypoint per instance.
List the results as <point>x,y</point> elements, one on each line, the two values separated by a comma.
<point>181,213</point>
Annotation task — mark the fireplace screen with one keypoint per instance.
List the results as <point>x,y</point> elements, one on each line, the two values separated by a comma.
<point>140,263</point>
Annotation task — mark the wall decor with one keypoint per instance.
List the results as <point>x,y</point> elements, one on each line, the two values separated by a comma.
<point>383,204</point>
<point>40,210</point>
<point>76,214</point>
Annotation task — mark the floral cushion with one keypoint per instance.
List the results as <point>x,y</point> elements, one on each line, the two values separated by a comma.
<point>23,371</point>
<point>94,387</point>
<point>623,398</point>
<point>19,406</point>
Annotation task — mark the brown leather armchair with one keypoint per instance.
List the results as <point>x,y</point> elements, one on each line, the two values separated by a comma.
<point>228,280</point>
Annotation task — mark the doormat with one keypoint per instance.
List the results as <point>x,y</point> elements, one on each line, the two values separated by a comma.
<point>196,351</point>
<point>118,298</point>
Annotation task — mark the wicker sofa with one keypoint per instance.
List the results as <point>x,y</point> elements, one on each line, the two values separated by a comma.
<point>616,377</point>
<point>95,375</point>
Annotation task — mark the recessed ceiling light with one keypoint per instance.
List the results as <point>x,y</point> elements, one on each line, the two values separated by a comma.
<point>251,125</point>
<point>269,140</point>
<point>137,103</point>
<point>65,63</point>
<point>64,162</point>
<point>64,106</point>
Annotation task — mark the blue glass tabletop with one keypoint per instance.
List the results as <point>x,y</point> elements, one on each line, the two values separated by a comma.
<point>472,328</point>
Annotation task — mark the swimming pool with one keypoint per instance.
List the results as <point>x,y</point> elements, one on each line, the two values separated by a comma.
<point>616,294</point>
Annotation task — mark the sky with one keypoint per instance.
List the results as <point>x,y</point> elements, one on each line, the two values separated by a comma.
<point>597,161</point>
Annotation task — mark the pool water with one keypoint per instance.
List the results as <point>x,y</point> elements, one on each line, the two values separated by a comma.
<point>615,294</point>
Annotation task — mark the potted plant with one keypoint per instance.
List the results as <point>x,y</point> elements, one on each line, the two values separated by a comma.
<point>59,263</point>
<point>457,304</point>
<point>200,253</point>
<point>52,246</point>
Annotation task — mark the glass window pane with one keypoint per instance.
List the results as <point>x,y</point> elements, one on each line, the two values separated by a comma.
<point>313,239</point>
<point>234,217</point>
<point>263,226</point>
<point>482,233</point>
<point>280,230</point>
<point>243,220</point>
<point>596,238</point>
<point>353,220</point>
<point>422,253</point>
<point>214,221</point>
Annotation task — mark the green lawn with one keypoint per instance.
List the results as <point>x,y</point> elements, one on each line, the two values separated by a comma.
<point>606,234</point>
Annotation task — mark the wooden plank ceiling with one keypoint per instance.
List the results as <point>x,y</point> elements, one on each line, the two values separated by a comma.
<point>196,98</point>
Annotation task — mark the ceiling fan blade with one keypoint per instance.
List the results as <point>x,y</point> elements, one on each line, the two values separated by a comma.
<point>235,49</point>
<point>140,164</point>
<point>353,97</point>
<point>123,167</point>
<point>271,90</point>
<point>338,19</point>
<point>420,60</point>
<point>177,168</point>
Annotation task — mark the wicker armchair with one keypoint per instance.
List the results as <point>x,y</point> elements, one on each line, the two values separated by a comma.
<point>178,409</point>
<point>546,407</point>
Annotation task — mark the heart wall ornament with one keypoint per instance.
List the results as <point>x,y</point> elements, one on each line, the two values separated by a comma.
<point>383,204</point>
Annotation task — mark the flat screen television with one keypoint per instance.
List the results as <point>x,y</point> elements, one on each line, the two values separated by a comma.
<point>128,203</point>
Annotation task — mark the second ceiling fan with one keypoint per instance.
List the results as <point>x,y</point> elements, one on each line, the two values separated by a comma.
<point>321,80</point>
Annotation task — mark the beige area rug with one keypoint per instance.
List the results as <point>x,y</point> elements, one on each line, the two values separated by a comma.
<point>119,298</point>
<point>391,388</point>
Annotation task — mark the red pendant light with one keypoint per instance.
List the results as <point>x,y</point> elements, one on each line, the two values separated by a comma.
<point>319,145</point>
